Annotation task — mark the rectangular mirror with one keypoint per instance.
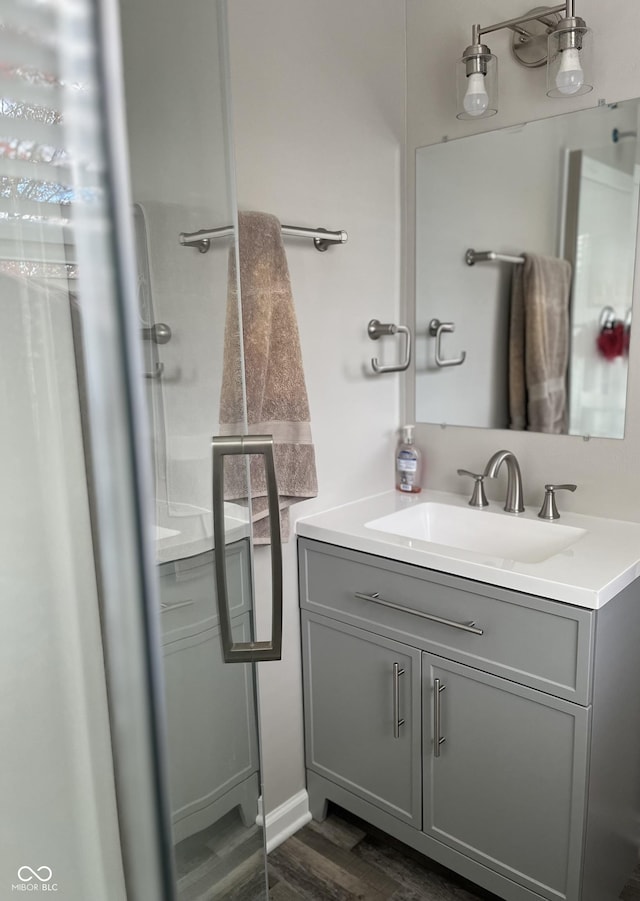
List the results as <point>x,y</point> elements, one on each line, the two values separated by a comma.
<point>531,332</point>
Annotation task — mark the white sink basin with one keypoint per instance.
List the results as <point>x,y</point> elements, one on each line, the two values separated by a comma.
<point>162,533</point>
<point>183,530</point>
<point>500,535</point>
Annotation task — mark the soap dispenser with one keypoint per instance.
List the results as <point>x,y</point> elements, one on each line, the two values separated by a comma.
<point>408,463</point>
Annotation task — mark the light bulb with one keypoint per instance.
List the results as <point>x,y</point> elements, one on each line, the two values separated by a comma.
<point>569,77</point>
<point>476,99</point>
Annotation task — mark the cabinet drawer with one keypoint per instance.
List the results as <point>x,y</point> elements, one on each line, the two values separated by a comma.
<point>188,593</point>
<point>544,644</point>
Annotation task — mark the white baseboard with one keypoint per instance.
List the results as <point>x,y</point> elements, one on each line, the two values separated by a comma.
<point>285,820</point>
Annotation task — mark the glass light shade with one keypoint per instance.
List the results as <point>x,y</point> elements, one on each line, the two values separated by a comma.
<point>569,68</point>
<point>478,91</point>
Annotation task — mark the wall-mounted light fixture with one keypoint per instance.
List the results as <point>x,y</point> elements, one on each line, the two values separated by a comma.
<point>548,34</point>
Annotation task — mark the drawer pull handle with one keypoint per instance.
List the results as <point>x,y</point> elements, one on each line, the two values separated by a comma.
<point>438,688</point>
<point>164,607</point>
<point>397,719</point>
<point>465,627</point>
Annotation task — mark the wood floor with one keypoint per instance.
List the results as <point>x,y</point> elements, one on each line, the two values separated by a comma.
<point>339,861</point>
<point>342,859</point>
<point>346,860</point>
<point>224,862</point>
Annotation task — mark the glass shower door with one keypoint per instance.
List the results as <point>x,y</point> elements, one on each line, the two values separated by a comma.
<point>108,684</point>
<point>76,664</point>
<point>176,88</point>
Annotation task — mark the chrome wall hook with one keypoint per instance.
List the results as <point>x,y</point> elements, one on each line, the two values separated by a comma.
<point>607,318</point>
<point>376,330</point>
<point>159,332</point>
<point>157,372</point>
<point>437,329</point>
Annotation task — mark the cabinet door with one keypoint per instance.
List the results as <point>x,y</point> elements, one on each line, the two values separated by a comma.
<point>211,729</point>
<point>362,699</point>
<point>508,785</point>
<point>188,592</point>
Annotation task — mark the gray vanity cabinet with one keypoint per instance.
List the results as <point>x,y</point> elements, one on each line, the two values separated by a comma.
<point>363,724</point>
<point>210,705</point>
<point>508,785</point>
<point>527,777</point>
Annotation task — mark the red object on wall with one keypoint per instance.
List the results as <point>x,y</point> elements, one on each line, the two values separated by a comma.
<point>611,341</point>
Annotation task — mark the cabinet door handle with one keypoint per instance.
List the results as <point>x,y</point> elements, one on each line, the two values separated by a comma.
<point>466,627</point>
<point>247,651</point>
<point>397,719</point>
<point>174,605</point>
<point>438,688</point>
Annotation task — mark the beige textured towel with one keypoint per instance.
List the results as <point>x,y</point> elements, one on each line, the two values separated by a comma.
<point>276,394</point>
<point>539,344</point>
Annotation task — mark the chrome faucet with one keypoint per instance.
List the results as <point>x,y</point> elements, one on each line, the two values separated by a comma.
<point>513,503</point>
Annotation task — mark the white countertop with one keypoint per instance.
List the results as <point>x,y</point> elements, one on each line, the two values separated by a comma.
<point>182,530</point>
<point>588,574</point>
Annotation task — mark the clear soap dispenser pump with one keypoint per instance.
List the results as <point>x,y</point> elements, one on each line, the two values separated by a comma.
<point>408,463</point>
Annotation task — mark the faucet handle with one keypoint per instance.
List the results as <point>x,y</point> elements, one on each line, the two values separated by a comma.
<point>549,509</point>
<point>478,498</point>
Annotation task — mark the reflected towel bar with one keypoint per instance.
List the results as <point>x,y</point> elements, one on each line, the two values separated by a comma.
<point>489,256</point>
<point>322,238</point>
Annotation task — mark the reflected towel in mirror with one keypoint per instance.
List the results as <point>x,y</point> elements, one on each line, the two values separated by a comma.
<point>539,344</point>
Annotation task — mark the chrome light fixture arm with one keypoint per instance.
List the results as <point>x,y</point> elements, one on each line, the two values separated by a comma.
<point>557,27</point>
<point>532,16</point>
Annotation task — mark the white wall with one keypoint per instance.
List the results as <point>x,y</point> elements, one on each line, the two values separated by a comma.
<point>606,471</point>
<point>319,92</point>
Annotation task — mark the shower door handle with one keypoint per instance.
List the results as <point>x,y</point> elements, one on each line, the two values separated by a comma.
<point>246,651</point>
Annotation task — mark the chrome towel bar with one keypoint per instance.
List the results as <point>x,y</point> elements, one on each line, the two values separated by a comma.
<point>489,256</point>
<point>322,237</point>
